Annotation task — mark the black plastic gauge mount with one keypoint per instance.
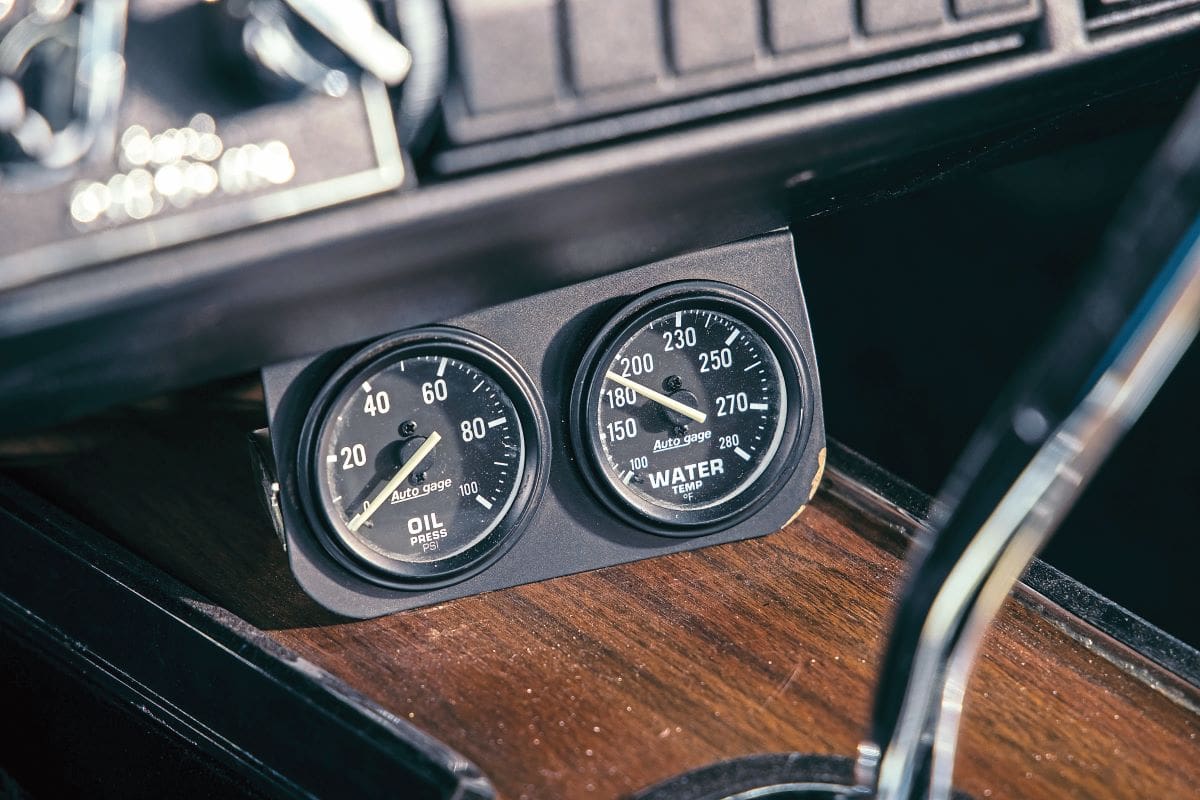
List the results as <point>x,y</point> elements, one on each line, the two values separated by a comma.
<point>569,524</point>
<point>474,535</point>
<point>679,455</point>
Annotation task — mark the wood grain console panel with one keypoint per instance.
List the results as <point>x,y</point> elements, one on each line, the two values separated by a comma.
<point>598,684</point>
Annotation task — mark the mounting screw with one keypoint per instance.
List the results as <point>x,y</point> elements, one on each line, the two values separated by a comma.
<point>408,428</point>
<point>672,383</point>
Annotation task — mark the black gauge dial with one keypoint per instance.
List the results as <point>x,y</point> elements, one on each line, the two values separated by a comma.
<point>688,406</point>
<point>419,458</point>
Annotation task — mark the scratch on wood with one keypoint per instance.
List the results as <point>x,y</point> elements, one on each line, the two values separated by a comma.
<point>779,690</point>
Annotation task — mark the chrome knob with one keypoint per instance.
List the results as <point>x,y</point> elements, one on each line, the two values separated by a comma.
<point>313,45</point>
<point>62,75</point>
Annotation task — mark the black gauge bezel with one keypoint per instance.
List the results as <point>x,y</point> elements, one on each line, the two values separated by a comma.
<point>794,369</point>
<point>535,433</point>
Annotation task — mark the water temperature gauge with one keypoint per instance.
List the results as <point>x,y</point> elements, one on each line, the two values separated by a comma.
<point>423,453</point>
<point>688,408</point>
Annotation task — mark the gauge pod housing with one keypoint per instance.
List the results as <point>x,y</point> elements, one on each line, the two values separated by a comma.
<point>547,354</point>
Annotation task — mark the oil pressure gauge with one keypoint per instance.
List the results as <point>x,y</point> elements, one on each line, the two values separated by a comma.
<point>688,408</point>
<point>422,455</point>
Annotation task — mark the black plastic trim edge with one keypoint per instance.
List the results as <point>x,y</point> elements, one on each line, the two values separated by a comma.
<point>205,674</point>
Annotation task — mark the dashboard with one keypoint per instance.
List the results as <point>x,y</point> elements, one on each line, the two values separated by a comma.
<point>245,191</point>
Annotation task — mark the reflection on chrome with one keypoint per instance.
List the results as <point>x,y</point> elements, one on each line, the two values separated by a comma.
<point>97,37</point>
<point>969,564</point>
<point>174,169</point>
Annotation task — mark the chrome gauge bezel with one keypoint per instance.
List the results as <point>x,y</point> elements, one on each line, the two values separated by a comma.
<point>794,371</point>
<point>485,356</point>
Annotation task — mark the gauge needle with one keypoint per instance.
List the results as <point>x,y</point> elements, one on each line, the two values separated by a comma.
<point>360,519</point>
<point>658,397</point>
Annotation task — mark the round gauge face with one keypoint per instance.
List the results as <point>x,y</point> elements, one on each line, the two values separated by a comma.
<point>419,459</point>
<point>687,411</point>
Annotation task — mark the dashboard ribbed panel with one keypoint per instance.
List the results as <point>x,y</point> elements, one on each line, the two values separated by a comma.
<point>532,64</point>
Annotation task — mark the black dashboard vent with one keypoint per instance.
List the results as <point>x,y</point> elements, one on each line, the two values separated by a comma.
<point>526,69</point>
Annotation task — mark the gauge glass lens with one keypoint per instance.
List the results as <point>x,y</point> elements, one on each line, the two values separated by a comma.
<point>690,411</point>
<point>419,459</point>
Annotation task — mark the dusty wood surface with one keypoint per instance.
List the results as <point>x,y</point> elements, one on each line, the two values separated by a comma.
<point>598,684</point>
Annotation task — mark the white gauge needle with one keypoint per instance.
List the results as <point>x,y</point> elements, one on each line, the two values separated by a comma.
<point>351,25</point>
<point>406,470</point>
<point>658,397</point>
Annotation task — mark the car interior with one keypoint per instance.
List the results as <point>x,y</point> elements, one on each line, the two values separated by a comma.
<point>639,399</point>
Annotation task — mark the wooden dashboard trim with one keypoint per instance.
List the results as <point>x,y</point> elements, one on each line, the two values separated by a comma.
<point>598,684</point>
<point>862,484</point>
